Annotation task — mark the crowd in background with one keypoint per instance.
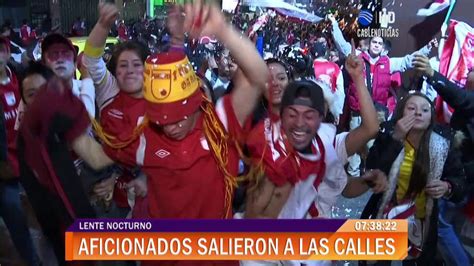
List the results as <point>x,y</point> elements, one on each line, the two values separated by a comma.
<point>332,113</point>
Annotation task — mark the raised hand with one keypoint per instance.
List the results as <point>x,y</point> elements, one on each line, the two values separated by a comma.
<point>203,19</point>
<point>403,126</point>
<point>108,13</point>
<point>331,18</point>
<point>354,65</point>
<point>422,64</point>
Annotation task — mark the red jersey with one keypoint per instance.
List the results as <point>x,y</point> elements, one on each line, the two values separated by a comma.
<point>25,31</point>
<point>122,32</point>
<point>10,97</point>
<point>183,178</point>
<point>327,71</point>
<point>118,119</point>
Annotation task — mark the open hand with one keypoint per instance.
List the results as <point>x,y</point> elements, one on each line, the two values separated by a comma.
<point>203,19</point>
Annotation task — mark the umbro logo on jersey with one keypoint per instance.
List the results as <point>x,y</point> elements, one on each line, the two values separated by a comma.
<point>162,153</point>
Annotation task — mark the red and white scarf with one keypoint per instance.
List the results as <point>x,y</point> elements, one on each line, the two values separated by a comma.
<point>281,162</point>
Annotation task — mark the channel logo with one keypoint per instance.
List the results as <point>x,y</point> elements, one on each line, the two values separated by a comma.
<point>365,17</point>
<point>384,18</point>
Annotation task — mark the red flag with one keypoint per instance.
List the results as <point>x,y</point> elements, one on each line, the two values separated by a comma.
<point>456,61</point>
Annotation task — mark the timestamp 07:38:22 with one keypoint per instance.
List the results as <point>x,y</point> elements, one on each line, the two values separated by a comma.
<point>375,226</point>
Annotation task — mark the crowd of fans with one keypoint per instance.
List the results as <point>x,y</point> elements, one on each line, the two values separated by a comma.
<point>188,118</point>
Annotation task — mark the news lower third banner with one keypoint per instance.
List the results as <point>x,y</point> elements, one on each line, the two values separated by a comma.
<point>317,239</point>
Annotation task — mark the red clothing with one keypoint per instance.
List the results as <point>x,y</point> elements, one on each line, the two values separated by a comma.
<point>327,71</point>
<point>25,32</point>
<point>381,82</point>
<point>289,166</point>
<point>53,192</point>
<point>35,129</point>
<point>118,119</point>
<point>183,178</point>
<point>10,97</point>
<point>122,32</point>
<point>188,185</point>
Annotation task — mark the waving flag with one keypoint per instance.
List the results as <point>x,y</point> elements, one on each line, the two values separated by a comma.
<point>261,22</point>
<point>295,15</point>
<point>435,7</point>
<point>456,60</point>
<point>284,9</point>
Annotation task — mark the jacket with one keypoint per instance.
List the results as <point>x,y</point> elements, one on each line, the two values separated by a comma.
<point>445,164</point>
<point>381,83</point>
<point>462,101</point>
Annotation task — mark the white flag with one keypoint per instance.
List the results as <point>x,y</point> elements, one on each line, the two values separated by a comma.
<point>285,9</point>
